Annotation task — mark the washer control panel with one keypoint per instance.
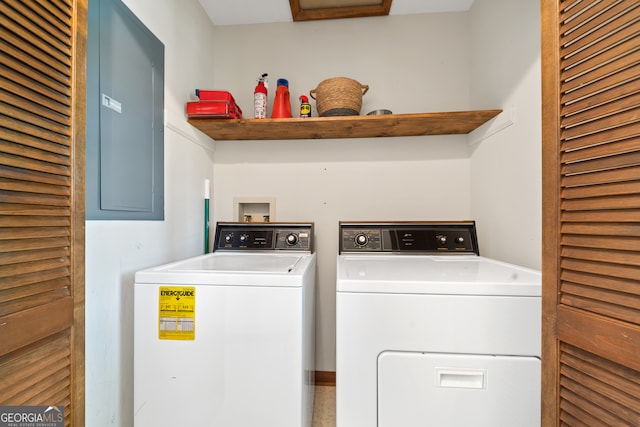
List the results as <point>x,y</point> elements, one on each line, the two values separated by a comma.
<point>409,237</point>
<point>263,236</point>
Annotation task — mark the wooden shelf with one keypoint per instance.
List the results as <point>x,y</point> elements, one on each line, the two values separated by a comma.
<point>458,122</point>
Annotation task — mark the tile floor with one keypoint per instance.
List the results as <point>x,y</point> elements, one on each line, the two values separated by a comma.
<point>324,407</point>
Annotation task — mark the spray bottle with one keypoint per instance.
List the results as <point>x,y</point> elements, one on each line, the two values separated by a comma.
<point>260,98</point>
<point>305,107</point>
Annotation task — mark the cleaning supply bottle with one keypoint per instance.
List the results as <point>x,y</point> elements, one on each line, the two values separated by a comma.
<point>305,107</point>
<point>281,103</point>
<point>260,98</point>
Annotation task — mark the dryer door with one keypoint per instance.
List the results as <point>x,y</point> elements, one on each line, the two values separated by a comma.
<point>457,390</point>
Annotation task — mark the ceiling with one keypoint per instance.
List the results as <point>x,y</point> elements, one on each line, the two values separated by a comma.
<point>225,12</point>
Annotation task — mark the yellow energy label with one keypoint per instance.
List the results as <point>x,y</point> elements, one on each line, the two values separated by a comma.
<point>177,313</point>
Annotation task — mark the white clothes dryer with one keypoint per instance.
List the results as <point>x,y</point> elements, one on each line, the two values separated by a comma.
<point>431,333</point>
<point>227,338</point>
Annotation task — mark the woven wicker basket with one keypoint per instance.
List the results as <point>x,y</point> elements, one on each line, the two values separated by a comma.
<point>339,96</point>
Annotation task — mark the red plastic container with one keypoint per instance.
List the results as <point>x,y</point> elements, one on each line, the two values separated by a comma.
<point>213,109</point>
<point>214,104</point>
<point>282,102</point>
<point>214,95</point>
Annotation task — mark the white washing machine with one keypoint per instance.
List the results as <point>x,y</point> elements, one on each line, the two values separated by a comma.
<point>429,333</point>
<point>227,338</point>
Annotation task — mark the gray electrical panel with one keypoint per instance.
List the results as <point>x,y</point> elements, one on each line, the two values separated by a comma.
<point>125,116</point>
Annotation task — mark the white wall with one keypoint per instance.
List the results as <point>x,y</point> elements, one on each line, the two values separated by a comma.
<point>411,64</point>
<point>506,175</point>
<point>116,249</point>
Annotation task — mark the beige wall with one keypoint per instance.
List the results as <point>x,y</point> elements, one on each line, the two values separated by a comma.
<point>506,176</point>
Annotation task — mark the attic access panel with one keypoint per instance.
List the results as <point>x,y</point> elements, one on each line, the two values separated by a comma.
<point>309,10</point>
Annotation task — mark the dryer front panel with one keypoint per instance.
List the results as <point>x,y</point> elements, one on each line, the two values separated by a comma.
<point>457,390</point>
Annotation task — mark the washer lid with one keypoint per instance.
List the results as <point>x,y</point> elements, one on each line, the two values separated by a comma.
<point>444,275</point>
<point>239,263</point>
<point>230,268</point>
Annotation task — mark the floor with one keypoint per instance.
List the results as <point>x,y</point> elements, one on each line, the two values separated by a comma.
<point>324,407</point>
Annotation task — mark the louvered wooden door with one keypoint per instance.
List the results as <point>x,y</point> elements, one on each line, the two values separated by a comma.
<point>42,126</point>
<point>591,184</point>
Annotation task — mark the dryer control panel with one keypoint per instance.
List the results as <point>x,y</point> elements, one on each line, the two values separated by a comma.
<point>263,236</point>
<point>409,237</point>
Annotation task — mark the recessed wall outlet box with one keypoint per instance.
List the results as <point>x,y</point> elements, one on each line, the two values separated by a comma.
<point>254,209</point>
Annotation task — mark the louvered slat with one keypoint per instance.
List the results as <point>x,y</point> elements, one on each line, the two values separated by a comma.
<point>580,46</point>
<point>36,266</point>
<point>34,119</point>
<point>23,244</point>
<point>21,162</point>
<point>24,28</point>
<point>59,70</point>
<point>42,47</point>
<point>29,175</point>
<point>599,152</point>
<point>621,272</point>
<point>32,19</point>
<point>599,50</point>
<point>601,98</point>
<point>628,187</point>
<point>38,196</point>
<point>591,180</point>
<point>31,131</point>
<point>33,142</point>
<point>41,103</point>
<point>15,58</point>
<point>34,199</point>
<point>28,300</point>
<point>589,177</point>
<point>595,143</point>
<point>589,304</point>
<point>15,257</point>
<point>619,216</point>
<point>40,287</point>
<point>621,295</point>
<point>599,261</point>
<point>582,18</point>
<point>606,392</point>
<point>584,75</point>
<point>27,368</point>
<point>58,13</point>
<point>591,241</point>
<point>620,119</point>
<point>622,24</point>
<point>625,202</point>
<point>591,114</point>
<point>13,285</point>
<point>27,73</point>
<point>33,187</point>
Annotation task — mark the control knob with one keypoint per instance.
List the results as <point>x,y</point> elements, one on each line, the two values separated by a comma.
<point>459,240</point>
<point>244,238</point>
<point>291,239</point>
<point>228,238</point>
<point>442,239</point>
<point>361,239</point>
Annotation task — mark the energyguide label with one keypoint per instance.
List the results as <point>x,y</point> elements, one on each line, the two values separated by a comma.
<point>177,313</point>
